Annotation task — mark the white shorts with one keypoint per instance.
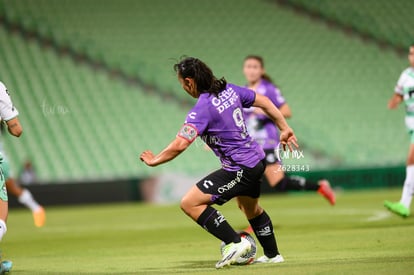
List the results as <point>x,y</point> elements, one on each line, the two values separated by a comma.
<point>409,123</point>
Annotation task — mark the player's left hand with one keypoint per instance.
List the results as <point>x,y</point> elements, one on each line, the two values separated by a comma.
<point>147,157</point>
<point>287,137</point>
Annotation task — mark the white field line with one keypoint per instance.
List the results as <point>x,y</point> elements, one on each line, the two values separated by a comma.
<point>378,215</point>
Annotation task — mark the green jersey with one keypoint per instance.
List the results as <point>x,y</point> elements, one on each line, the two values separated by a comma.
<point>405,87</point>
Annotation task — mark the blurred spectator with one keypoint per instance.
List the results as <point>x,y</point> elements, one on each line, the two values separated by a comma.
<point>28,174</point>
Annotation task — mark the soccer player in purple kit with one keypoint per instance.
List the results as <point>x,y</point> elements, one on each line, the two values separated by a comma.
<point>262,129</point>
<point>217,117</point>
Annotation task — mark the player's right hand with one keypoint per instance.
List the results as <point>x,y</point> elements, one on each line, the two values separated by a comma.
<point>147,157</point>
<point>287,137</point>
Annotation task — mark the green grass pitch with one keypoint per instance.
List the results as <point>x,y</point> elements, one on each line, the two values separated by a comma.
<point>357,236</point>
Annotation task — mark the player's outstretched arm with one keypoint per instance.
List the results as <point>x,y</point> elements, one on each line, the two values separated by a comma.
<point>287,136</point>
<point>175,148</point>
<point>395,100</point>
<point>14,127</point>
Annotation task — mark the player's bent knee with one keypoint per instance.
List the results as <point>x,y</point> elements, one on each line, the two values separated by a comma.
<point>185,204</point>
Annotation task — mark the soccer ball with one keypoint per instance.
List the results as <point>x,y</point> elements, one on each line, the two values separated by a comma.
<point>249,257</point>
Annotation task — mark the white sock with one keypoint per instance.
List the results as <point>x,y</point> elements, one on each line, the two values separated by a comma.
<point>408,189</point>
<point>3,229</point>
<point>26,199</point>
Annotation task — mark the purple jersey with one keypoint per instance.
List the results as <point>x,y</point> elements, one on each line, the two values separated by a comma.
<point>219,121</point>
<point>260,127</point>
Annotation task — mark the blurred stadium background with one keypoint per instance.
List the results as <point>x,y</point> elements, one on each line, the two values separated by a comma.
<point>94,84</point>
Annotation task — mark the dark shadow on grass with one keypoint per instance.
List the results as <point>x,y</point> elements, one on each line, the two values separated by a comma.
<point>203,266</point>
<point>188,267</point>
<point>197,264</point>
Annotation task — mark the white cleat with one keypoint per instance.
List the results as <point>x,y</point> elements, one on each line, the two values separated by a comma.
<point>266,260</point>
<point>232,251</point>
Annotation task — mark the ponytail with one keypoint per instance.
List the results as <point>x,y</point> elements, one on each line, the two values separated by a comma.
<point>267,78</point>
<point>203,76</point>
